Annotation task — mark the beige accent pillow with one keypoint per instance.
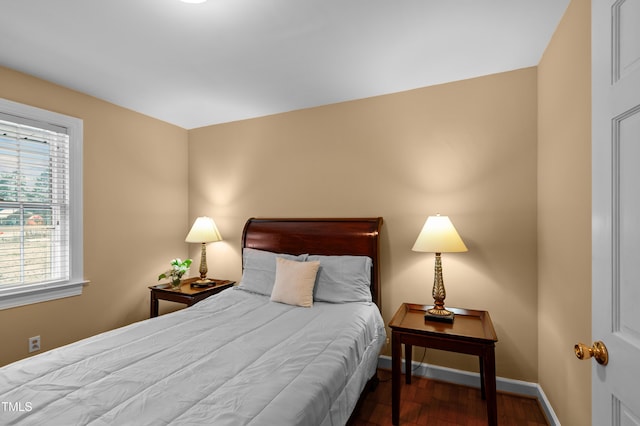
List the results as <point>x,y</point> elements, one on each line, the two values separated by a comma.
<point>294,282</point>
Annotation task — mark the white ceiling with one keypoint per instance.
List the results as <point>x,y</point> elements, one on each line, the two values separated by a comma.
<point>224,60</point>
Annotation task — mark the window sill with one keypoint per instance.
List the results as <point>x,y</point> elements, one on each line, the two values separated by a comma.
<point>15,296</point>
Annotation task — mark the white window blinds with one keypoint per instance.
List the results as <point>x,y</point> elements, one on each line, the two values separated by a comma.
<point>34,202</point>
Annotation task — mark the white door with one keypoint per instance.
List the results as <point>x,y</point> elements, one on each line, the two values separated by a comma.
<point>616,209</point>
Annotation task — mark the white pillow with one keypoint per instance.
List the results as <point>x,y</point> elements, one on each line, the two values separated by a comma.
<point>294,282</point>
<point>343,279</point>
<point>259,269</point>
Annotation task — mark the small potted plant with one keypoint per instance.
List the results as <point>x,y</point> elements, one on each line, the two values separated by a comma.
<point>178,269</point>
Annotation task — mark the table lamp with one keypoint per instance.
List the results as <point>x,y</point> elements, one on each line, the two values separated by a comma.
<point>203,231</point>
<point>439,236</point>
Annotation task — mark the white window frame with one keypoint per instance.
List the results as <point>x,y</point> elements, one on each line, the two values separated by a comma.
<point>25,294</point>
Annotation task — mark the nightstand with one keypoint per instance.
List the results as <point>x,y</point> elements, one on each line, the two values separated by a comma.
<point>187,295</point>
<point>470,333</point>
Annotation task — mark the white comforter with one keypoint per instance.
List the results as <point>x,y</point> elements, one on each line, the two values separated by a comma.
<point>233,359</point>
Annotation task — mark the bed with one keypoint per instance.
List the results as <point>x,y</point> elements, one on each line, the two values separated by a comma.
<point>251,355</point>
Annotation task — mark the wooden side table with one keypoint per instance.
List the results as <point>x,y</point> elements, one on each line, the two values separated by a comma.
<point>187,295</point>
<point>471,333</point>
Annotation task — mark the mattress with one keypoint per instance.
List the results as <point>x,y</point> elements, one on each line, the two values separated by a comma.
<point>236,358</point>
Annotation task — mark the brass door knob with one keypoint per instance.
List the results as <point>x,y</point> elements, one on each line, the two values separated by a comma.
<point>597,351</point>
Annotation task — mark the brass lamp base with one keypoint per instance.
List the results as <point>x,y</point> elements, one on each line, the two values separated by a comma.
<point>203,282</point>
<point>438,312</point>
<point>439,315</point>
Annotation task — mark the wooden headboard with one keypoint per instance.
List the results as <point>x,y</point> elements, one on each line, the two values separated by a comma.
<point>330,236</point>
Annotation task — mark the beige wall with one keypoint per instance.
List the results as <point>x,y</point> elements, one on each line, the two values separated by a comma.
<point>465,149</point>
<point>135,217</point>
<point>564,215</point>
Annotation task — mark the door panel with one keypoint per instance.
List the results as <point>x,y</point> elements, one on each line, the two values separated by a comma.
<point>627,37</point>
<point>624,416</point>
<point>626,322</point>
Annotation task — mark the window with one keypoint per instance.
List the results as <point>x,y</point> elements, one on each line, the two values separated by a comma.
<point>40,205</point>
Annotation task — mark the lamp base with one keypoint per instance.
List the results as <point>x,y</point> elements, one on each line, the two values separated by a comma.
<point>203,283</point>
<point>439,315</point>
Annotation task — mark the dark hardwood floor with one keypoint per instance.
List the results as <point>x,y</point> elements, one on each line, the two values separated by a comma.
<point>436,403</point>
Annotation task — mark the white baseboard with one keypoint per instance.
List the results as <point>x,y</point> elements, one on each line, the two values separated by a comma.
<point>467,378</point>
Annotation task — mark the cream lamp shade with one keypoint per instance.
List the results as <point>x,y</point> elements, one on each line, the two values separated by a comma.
<point>438,236</point>
<point>203,231</point>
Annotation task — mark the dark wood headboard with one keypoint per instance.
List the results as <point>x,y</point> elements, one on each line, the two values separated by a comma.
<point>324,236</point>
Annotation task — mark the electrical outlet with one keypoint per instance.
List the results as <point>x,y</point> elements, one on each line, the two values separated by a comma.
<point>34,344</point>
